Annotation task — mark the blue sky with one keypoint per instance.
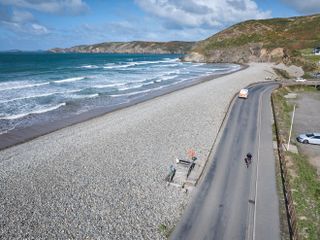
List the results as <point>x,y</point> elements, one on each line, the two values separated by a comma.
<point>44,24</point>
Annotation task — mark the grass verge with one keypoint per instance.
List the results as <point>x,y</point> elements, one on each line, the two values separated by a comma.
<point>303,178</point>
<point>306,196</point>
<point>165,230</point>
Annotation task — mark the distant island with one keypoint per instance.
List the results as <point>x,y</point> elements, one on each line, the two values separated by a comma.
<point>287,40</point>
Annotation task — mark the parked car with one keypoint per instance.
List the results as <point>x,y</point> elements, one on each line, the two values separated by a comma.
<point>299,79</point>
<point>312,138</point>
<point>316,75</point>
<point>244,93</point>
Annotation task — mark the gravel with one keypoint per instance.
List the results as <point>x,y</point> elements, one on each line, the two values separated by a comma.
<point>104,178</point>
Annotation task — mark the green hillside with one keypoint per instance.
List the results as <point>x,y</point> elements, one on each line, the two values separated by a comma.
<point>297,36</point>
<point>132,47</point>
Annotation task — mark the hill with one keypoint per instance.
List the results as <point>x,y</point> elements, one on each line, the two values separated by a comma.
<point>174,47</point>
<point>279,39</point>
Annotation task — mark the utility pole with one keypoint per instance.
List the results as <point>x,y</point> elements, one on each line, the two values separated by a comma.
<point>294,109</point>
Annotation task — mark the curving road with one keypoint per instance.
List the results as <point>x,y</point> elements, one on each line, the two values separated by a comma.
<point>232,201</point>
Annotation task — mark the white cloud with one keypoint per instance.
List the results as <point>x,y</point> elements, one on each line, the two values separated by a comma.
<point>309,6</point>
<point>21,16</point>
<point>202,13</point>
<point>39,29</point>
<point>74,7</point>
<point>21,22</point>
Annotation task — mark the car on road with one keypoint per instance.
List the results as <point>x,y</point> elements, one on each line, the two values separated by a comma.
<point>244,93</point>
<point>312,138</point>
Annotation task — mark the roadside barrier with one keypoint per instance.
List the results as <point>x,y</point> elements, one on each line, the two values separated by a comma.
<point>287,192</point>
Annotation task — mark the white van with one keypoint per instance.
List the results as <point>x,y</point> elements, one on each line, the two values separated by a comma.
<point>243,93</point>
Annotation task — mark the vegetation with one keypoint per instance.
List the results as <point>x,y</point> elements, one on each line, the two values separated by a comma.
<point>303,177</point>
<point>282,73</point>
<point>306,195</point>
<point>295,35</point>
<point>165,230</point>
<point>131,47</point>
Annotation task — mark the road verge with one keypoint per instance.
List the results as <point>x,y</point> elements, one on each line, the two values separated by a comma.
<point>299,180</point>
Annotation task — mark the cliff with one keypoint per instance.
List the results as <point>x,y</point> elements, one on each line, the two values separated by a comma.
<point>276,40</point>
<point>175,47</point>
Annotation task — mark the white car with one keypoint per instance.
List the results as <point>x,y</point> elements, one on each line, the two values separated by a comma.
<point>299,79</point>
<point>243,93</point>
<point>312,138</point>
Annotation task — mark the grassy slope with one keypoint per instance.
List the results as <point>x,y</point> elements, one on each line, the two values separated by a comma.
<point>172,47</point>
<point>293,34</point>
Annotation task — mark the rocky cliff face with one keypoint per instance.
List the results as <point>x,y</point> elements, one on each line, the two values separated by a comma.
<point>242,54</point>
<point>131,47</point>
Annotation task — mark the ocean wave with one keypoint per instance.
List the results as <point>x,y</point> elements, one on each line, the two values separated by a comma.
<point>131,64</point>
<point>130,94</point>
<point>149,83</point>
<point>89,66</point>
<point>70,79</point>
<point>109,85</point>
<point>6,130</point>
<point>44,110</point>
<point>86,96</point>
<point>39,95</point>
<point>23,86</point>
<point>28,97</point>
<point>130,87</point>
<point>119,66</point>
<point>165,78</point>
<point>135,93</point>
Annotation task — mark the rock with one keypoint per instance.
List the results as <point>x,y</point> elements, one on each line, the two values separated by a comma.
<point>194,57</point>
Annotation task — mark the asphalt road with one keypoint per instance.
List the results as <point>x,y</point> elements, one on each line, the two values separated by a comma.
<point>232,201</point>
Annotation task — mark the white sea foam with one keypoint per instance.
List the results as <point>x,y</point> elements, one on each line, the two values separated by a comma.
<point>43,110</point>
<point>165,78</point>
<point>69,80</point>
<point>85,96</point>
<point>130,64</point>
<point>7,130</point>
<point>4,88</point>
<point>119,66</point>
<point>92,95</point>
<point>89,66</point>
<point>39,95</point>
<point>149,83</point>
<point>130,87</point>
<point>28,97</point>
<point>109,85</point>
<point>130,94</point>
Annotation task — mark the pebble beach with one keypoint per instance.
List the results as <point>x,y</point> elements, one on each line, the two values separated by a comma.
<point>104,178</point>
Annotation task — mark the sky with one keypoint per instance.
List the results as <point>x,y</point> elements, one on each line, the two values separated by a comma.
<point>45,24</point>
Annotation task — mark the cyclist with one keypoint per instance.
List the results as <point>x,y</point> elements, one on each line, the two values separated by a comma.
<point>249,156</point>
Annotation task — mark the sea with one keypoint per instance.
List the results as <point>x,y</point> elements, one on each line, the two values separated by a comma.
<point>42,88</point>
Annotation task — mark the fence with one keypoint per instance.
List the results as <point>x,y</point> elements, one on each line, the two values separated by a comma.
<point>290,208</point>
